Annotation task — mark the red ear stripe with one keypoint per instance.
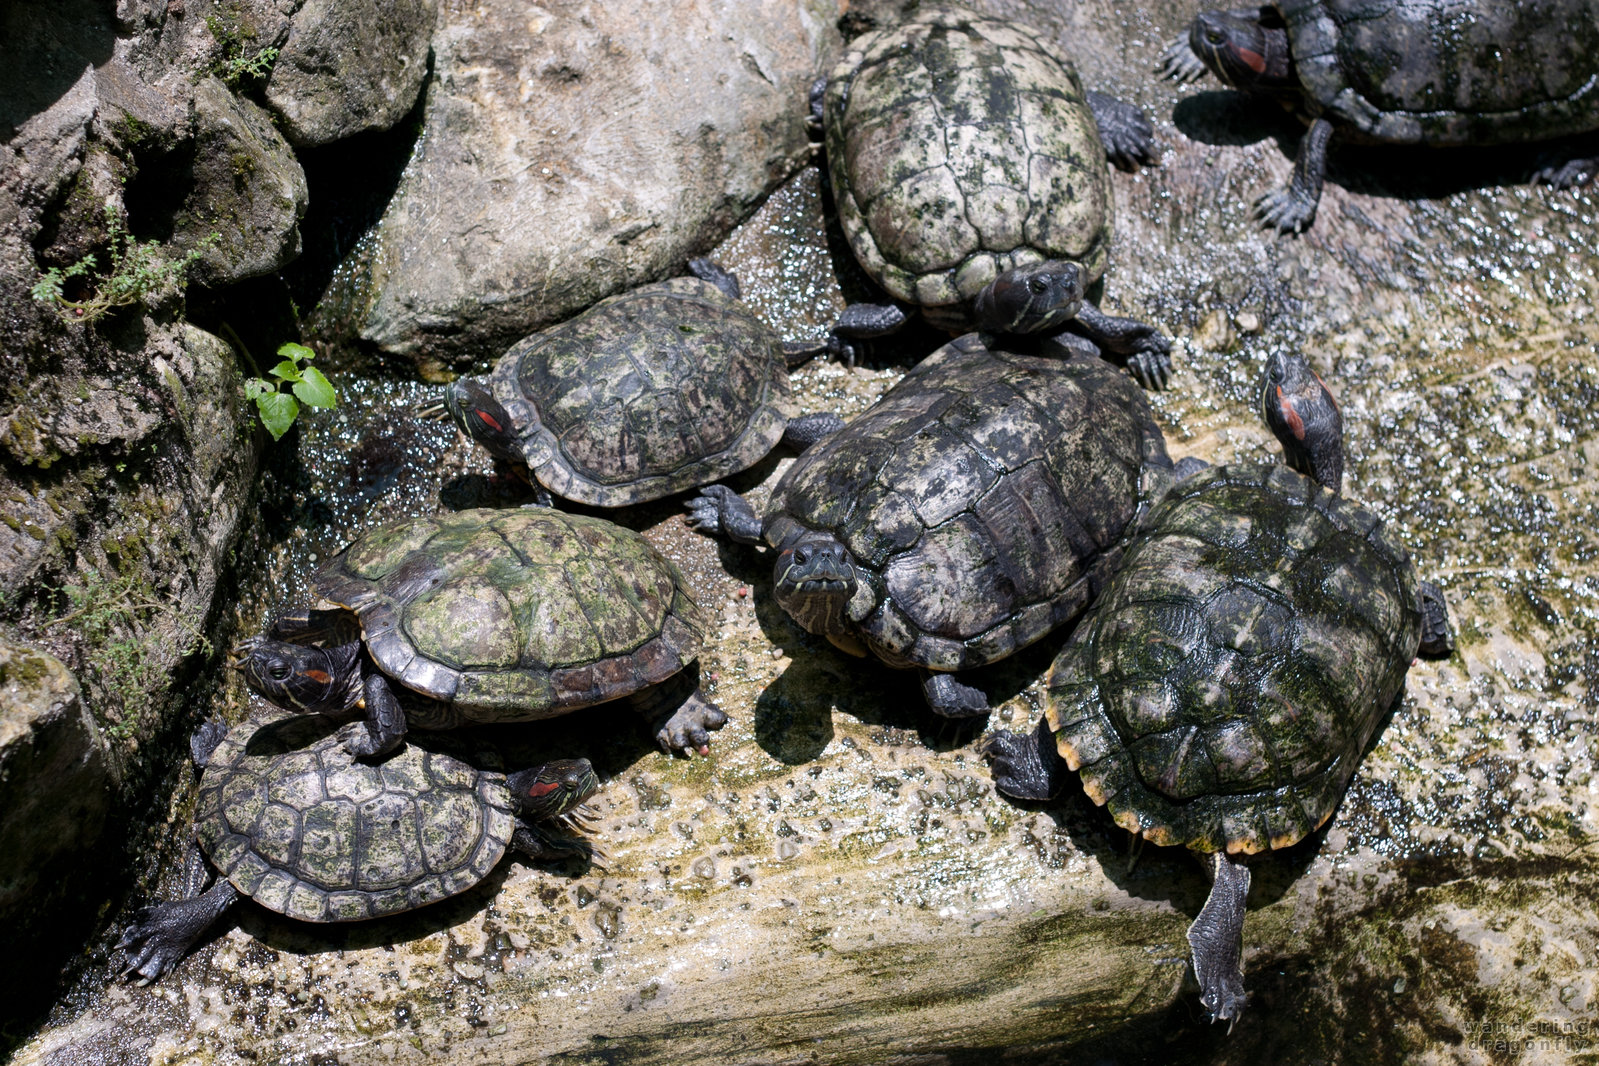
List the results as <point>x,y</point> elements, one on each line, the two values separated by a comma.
<point>543,788</point>
<point>1296,425</point>
<point>485,416</point>
<point>319,676</point>
<point>1253,60</point>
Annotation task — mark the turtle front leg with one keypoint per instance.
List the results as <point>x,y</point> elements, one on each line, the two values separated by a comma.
<point>1291,210</point>
<point>383,728</point>
<point>1569,174</point>
<point>1125,130</point>
<point>1026,766</point>
<point>1217,940</point>
<point>163,934</point>
<point>678,713</point>
<point>806,430</point>
<point>863,322</point>
<point>542,845</point>
<point>719,511</point>
<point>1145,350</point>
<point>952,698</point>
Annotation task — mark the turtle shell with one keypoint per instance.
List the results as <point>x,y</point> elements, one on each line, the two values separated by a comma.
<point>961,146</point>
<point>297,826</point>
<point>984,498</point>
<point>1449,73</point>
<point>509,616</point>
<point>1223,690</point>
<point>650,392</point>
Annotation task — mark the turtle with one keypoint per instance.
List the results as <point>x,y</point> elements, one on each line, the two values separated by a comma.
<point>1412,72</point>
<point>287,818</point>
<point>484,616</point>
<point>659,389</point>
<point>967,165</point>
<point>980,503</point>
<point>1222,691</point>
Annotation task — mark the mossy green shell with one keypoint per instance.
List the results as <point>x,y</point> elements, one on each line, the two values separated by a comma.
<point>656,390</point>
<point>961,146</point>
<point>985,500</point>
<point>1448,72</point>
<point>297,826</point>
<point>1223,690</point>
<point>508,616</point>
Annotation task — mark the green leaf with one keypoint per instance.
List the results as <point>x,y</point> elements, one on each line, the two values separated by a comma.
<point>278,412</point>
<point>297,352</point>
<point>314,389</point>
<point>255,388</point>
<point>287,370</point>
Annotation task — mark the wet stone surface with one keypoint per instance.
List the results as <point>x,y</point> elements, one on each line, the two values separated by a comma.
<point>838,882</point>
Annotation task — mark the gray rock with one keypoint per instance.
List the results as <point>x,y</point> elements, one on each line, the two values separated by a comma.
<point>349,67</point>
<point>248,189</point>
<point>577,149</point>
<point>55,774</point>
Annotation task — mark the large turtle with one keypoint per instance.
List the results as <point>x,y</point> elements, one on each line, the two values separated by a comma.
<point>968,167</point>
<point>289,820</point>
<point>980,503</point>
<point>1222,691</point>
<point>659,389</point>
<point>489,616</point>
<point>1421,72</point>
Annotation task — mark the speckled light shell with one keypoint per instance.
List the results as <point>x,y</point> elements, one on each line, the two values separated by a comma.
<point>1222,691</point>
<point>509,616</point>
<point>1449,72</point>
<point>985,499</point>
<point>961,146</point>
<point>650,392</point>
<point>298,827</point>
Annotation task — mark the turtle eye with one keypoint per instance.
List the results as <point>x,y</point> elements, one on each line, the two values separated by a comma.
<point>801,556</point>
<point>278,671</point>
<point>1038,285</point>
<point>1215,36</point>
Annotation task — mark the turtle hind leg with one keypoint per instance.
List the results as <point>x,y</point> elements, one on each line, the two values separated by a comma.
<point>1125,130</point>
<point>163,934</point>
<point>1437,638</point>
<point>952,698</point>
<point>679,715</point>
<point>806,430</point>
<point>1026,766</point>
<point>1217,940</point>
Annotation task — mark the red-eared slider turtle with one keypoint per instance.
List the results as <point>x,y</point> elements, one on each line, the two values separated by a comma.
<point>489,616</point>
<point>979,504</point>
<point>290,821</point>
<point>1421,72</point>
<point>1222,691</point>
<point>968,167</point>
<point>663,388</point>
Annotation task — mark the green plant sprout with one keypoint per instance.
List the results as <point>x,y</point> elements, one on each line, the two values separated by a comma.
<point>138,269</point>
<point>241,70</point>
<point>279,409</point>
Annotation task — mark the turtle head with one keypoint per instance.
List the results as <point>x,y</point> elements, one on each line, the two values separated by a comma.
<point>1032,298</point>
<point>298,677</point>
<point>483,418</point>
<point>551,790</point>
<point>1304,417</point>
<point>1244,52</point>
<point>814,578</point>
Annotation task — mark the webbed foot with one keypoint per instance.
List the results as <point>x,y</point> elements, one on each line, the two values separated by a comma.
<point>1025,766</point>
<point>719,511</point>
<point>1286,210</point>
<point>163,934</point>
<point>952,698</point>
<point>689,728</point>
<point>1125,131</point>
<point>1217,940</point>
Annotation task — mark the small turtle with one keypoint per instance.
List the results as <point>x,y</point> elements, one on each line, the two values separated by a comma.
<point>979,504</point>
<point>489,616</point>
<point>1222,691</point>
<point>662,388</point>
<point>290,821</point>
<point>1420,72</point>
<point>967,165</point>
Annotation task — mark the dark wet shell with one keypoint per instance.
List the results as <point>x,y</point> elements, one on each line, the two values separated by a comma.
<point>515,615</point>
<point>654,391</point>
<point>1222,691</point>
<point>961,146</point>
<point>297,826</point>
<point>984,498</point>
<point>1449,71</point>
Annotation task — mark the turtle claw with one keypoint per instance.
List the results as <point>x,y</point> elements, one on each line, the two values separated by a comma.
<point>1285,211</point>
<point>689,728</point>
<point>1151,369</point>
<point>705,510</point>
<point>1568,175</point>
<point>1179,63</point>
